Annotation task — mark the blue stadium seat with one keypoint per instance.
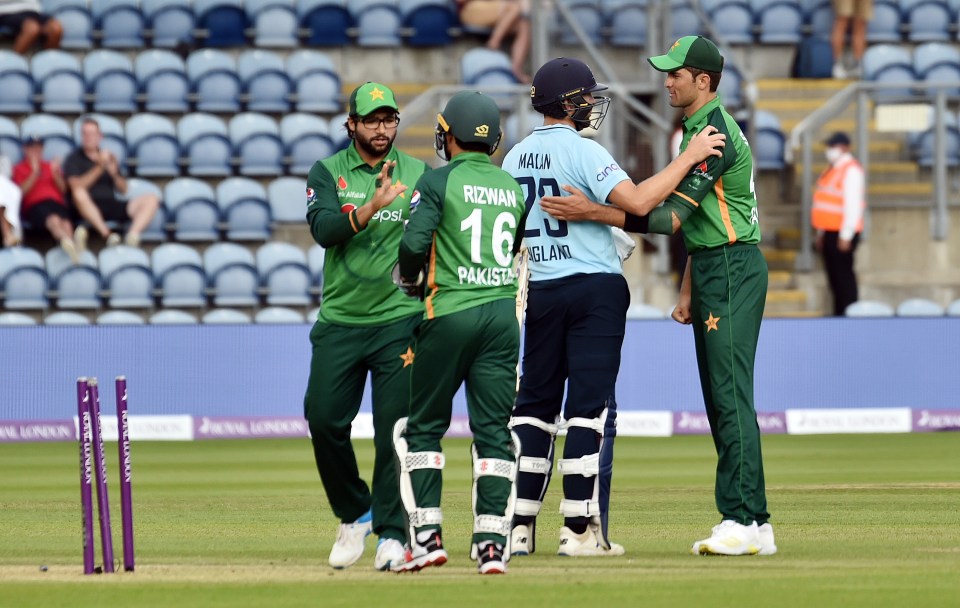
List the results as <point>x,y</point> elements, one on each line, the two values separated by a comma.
<point>684,20</point>
<point>179,275</point>
<point>274,23</point>
<point>172,317</point>
<point>120,23</point>
<point>224,22</point>
<point>288,200</point>
<point>731,86</point>
<point>77,22</point>
<point>919,307</point>
<point>278,315</point>
<point>587,15</point>
<point>316,83</point>
<point>482,67</point>
<point>127,277</point>
<point>244,209</point>
<point>53,130</point>
<point>927,147</point>
<point>205,144</point>
<point>306,139</point>
<point>119,317</point>
<point>152,141</point>
<point>953,310</point>
<point>733,19</point>
<point>338,131</point>
<point>163,82</point>
<point>16,318</point>
<point>325,22</point>
<point>225,316</point>
<point>937,62</point>
<point>927,20</point>
<point>644,311</point>
<point>156,232</point>
<point>518,125</point>
<point>818,17</point>
<point>10,140</point>
<point>427,22</point>
<point>231,275</point>
<point>16,84</point>
<point>769,143</point>
<point>869,308</point>
<point>75,285</point>
<point>192,209</point>
<point>110,81</point>
<point>626,22</point>
<point>59,81</point>
<point>256,144</point>
<point>778,21</point>
<point>378,22</point>
<point>171,21</point>
<point>889,63</point>
<point>112,131</point>
<point>886,24</point>
<point>284,275</point>
<point>265,82</point>
<point>23,279</point>
<point>214,80</point>
<point>315,257</point>
<point>66,317</point>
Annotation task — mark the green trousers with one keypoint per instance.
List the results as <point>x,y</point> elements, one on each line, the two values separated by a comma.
<point>729,290</point>
<point>342,358</point>
<point>480,347</point>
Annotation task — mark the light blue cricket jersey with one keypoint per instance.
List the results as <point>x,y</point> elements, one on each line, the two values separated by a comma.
<point>549,158</point>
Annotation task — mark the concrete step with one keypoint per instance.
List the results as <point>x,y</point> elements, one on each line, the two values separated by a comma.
<point>794,314</point>
<point>780,259</point>
<point>785,301</point>
<point>787,237</point>
<point>780,279</point>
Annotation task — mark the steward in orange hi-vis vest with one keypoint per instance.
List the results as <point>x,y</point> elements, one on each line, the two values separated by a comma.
<point>827,212</point>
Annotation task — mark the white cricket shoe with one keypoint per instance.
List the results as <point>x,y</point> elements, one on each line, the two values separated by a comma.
<point>585,545</point>
<point>350,542</point>
<point>767,545</point>
<point>729,538</point>
<point>521,540</point>
<point>390,552</point>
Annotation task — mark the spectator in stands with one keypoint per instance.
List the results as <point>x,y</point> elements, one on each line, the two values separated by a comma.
<point>847,12</point>
<point>94,178</point>
<point>838,206</point>
<point>10,233</point>
<point>505,17</point>
<point>29,24</point>
<point>44,205</point>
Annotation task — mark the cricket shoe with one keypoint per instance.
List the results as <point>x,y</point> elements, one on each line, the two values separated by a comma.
<point>585,545</point>
<point>767,544</point>
<point>423,554</point>
<point>521,539</point>
<point>490,558</point>
<point>349,545</point>
<point>390,552</point>
<point>729,538</point>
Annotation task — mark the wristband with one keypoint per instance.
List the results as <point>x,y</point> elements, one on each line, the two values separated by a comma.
<point>636,223</point>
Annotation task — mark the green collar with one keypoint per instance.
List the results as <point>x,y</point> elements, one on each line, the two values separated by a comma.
<point>701,114</point>
<point>473,156</point>
<point>356,161</point>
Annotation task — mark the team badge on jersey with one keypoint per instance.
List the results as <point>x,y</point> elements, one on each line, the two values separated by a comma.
<point>311,196</point>
<point>414,200</point>
<point>341,183</point>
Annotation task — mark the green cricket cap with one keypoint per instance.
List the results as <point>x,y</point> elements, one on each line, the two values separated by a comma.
<point>370,97</point>
<point>690,52</point>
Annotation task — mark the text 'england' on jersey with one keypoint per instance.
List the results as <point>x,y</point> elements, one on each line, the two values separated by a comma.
<point>546,160</point>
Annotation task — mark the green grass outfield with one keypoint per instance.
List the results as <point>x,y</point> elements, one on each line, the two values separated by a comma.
<point>861,520</point>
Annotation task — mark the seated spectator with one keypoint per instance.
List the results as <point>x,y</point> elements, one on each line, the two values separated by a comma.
<point>505,17</point>
<point>29,24</point>
<point>94,179</point>
<point>10,233</point>
<point>42,197</point>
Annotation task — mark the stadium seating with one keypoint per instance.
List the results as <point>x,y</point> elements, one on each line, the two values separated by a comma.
<point>75,285</point>
<point>16,84</point>
<point>266,85</point>
<point>205,145</point>
<point>731,87</point>
<point>121,23</point>
<point>287,198</point>
<point>59,81</point>
<point>919,307</point>
<point>306,140</point>
<point>626,22</point>
<point>231,275</point>
<point>244,210</point>
<point>256,144</point>
<point>66,317</point>
<point>152,141</point>
<point>937,62</point>
<point>644,311</point>
<point>16,318</point>
<point>278,315</point>
<point>226,316</point>
<point>338,131</point>
<point>483,68</point>
<point>119,317</point>
<point>274,23</point>
<point>163,82</point>
<point>170,21</point>
<point>127,277</point>
<point>818,17</point>
<point>586,14</point>
<point>156,231</point>
<point>378,22</point>
<point>315,81</point>
<point>953,310</point>
<point>325,22</point>
<point>315,257</point>
<point>223,22</point>
<point>889,63</point>
<point>684,19</point>
<point>886,22</point>
<point>427,22</point>
<point>214,81</point>
<point>77,22</point>
<point>733,19</point>
<point>778,21</point>
<point>53,130</point>
<point>172,317</point>
<point>192,208</point>
<point>10,140</point>
<point>284,275</point>
<point>179,275</point>
<point>23,279</point>
<point>769,142</point>
<point>926,20</point>
<point>869,308</point>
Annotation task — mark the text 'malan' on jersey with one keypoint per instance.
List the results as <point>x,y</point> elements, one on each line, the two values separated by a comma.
<point>546,160</point>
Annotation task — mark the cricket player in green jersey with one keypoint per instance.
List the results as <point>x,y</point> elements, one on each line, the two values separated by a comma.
<point>357,201</point>
<point>723,291</point>
<point>464,228</point>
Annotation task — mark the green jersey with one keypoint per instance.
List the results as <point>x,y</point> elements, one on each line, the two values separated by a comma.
<point>357,285</point>
<point>468,211</point>
<point>720,190</point>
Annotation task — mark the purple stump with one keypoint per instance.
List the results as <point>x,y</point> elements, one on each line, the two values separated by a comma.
<point>86,475</point>
<point>100,466</point>
<point>126,500</point>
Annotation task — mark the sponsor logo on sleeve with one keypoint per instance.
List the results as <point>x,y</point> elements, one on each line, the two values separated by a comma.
<point>414,200</point>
